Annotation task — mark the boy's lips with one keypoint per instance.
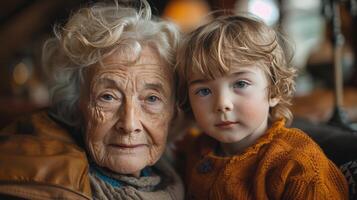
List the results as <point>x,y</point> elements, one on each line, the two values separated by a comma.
<point>225,124</point>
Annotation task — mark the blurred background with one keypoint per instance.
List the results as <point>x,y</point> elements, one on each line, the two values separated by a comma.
<point>26,24</point>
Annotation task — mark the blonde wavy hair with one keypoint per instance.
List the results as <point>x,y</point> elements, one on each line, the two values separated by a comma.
<point>239,39</point>
<point>91,34</point>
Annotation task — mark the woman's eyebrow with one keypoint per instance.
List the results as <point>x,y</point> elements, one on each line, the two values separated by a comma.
<point>106,81</point>
<point>156,86</point>
<point>153,86</point>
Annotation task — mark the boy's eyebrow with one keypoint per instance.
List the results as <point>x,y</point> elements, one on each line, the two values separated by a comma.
<point>242,72</point>
<point>197,81</point>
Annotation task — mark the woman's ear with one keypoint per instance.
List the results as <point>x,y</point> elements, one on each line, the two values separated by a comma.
<point>273,101</point>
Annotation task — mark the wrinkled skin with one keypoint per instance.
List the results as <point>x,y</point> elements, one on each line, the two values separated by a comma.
<point>127,111</point>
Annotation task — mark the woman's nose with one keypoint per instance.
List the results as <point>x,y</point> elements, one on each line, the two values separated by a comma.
<point>129,119</point>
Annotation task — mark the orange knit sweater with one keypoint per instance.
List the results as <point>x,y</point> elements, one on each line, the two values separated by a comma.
<point>283,164</point>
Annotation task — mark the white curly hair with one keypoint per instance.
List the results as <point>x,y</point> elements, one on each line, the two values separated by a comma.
<point>91,34</point>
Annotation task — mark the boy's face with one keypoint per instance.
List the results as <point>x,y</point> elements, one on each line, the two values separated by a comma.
<point>234,108</point>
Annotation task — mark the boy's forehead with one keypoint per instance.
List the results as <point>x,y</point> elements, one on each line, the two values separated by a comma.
<point>195,76</point>
<point>233,69</point>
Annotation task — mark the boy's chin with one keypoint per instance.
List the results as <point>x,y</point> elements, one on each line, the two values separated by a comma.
<point>228,139</point>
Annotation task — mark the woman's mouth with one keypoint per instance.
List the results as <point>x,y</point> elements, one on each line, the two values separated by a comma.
<point>128,148</point>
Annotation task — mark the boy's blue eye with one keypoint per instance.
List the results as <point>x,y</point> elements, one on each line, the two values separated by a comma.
<point>240,84</point>
<point>203,92</point>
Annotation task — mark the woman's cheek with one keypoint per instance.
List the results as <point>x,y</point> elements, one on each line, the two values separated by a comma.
<point>157,130</point>
<point>155,154</point>
<point>98,126</point>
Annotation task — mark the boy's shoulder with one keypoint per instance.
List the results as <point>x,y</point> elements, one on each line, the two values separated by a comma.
<point>295,138</point>
<point>295,144</point>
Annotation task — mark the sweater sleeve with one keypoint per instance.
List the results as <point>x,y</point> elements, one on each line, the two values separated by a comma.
<point>327,184</point>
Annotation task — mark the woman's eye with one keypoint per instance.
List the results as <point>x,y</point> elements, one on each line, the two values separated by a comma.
<point>203,92</point>
<point>240,84</point>
<point>107,97</point>
<point>152,99</point>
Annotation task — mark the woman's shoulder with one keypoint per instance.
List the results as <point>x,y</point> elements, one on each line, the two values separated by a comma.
<point>38,124</point>
<point>35,150</point>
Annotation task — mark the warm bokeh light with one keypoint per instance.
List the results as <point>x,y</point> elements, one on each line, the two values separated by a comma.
<point>265,9</point>
<point>187,14</point>
<point>21,73</point>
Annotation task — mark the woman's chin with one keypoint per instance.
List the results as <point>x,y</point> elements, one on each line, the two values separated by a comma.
<point>127,165</point>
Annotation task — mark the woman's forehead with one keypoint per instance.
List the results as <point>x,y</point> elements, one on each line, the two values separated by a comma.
<point>146,55</point>
<point>148,71</point>
<point>147,61</point>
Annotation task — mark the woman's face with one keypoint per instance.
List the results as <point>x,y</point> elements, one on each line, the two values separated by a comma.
<point>127,111</point>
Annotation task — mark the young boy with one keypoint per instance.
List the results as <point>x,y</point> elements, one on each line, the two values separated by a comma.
<point>235,80</point>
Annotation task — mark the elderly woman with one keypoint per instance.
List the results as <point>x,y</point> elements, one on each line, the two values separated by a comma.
<point>112,104</point>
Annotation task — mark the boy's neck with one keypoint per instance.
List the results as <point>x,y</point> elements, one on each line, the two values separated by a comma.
<point>236,148</point>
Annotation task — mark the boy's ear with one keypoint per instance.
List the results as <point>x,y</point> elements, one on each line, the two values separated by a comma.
<point>273,101</point>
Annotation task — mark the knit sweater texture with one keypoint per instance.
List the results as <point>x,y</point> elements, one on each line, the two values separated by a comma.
<point>166,186</point>
<point>283,164</point>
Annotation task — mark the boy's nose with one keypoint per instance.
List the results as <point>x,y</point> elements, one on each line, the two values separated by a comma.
<point>224,104</point>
